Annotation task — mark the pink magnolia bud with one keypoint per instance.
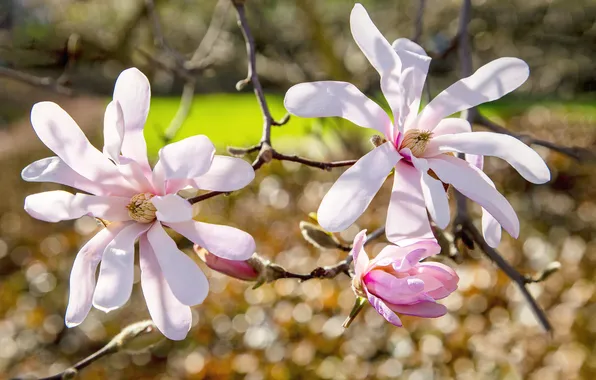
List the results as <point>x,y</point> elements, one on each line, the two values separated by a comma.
<point>397,282</point>
<point>242,270</point>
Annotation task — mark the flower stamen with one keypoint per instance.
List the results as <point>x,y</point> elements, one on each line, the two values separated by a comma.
<point>416,140</point>
<point>141,209</point>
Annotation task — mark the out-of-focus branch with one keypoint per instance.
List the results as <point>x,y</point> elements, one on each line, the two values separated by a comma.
<point>45,82</point>
<point>135,337</point>
<point>418,23</point>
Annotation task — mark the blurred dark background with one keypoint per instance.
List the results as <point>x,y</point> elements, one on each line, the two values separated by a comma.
<point>289,330</point>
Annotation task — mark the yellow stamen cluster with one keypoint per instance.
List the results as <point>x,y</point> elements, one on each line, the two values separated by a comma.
<point>416,140</point>
<point>141,209</point>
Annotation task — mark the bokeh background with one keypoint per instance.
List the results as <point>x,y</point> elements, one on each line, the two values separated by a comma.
<point>289,330</point>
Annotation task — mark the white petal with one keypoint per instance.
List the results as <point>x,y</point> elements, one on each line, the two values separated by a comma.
<point>53,206</point>
<point>109,208</point>
<point>82,275</point>
<point>353,191</point>
<point>116,272</point>
<point>524,159</point>
<point>375,47</point>
<point>172,208</point>
<point>113,131</point>
<point>226,174</point>
<point>186,280</point>
<point>341,99</point>
<point>434,194</point>
<point>223,241</point>
<point>59,132</point>
<point>475,160</point>
<point>452,125</point>
<point>186,159</point>
<point>492,81</point>
<point>53,169</point>
<point>466,179</point>
<point>412,57</point>
<point>407,220</point>
<point>171,317</point>
<point>133,92</point>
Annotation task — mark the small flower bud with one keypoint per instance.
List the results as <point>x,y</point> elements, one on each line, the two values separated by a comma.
<point>247,270</point>
<point>377,140</point>
<point>318,237</point>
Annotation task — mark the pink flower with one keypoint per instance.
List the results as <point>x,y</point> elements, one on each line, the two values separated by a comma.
<point>419,146</point>
<point>137,201</point>
<point>240,269</point>
<point>397,282</point>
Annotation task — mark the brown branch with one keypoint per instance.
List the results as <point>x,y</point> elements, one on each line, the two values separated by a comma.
<point>312,163</point>
<point>418,24</point>
<point>45,82</point>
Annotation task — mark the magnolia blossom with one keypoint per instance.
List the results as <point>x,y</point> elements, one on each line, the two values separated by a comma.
<point>136,202</point>
<point>240,269</point>
<point>419,146</point>
<point>397,282</point>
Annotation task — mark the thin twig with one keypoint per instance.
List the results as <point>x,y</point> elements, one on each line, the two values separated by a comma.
<point>33,80</point>
<point>202,55</point>
<point>418,24</point>
<point>312,163</point>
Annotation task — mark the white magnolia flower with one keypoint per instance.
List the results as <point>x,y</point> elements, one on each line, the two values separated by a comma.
<point>419,146</point>
<point>121,187</point>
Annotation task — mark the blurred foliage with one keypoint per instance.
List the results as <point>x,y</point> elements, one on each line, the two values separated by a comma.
<point>289,330</point>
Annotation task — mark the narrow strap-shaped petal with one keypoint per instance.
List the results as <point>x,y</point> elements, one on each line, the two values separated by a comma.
<point>341,99</point>
<point>186,280</point>
<point>172,208</point>
<point>133,92</point>
<point>116,272</point>
<point>492,81</point>
<point>136,176</point>
<point>53,206</point>
<point>451,125</point>
<point>407,220</point>
<point>353,191</point>
<point>225,174</point>
<point>53,169</point>
<point>223,241</point>
<point>359,254</point>
<point>384,310</point>
<point>59,132</point>
<point>82,274</point>
<point>466,179</point>
<point>109,208</point>
<point>524,159</point>
<point>171,316</point>
<point>424,309</point>
<point>435,196</point>
<point>186,159</point>
<point>375,47</point>
<point>417,252</point>
<point>412,57</point>
<point>113,131</point>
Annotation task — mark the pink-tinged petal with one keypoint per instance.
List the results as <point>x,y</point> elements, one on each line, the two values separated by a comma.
<point>435,196</point>
<point>186,280</point>
<point>443,274</point>
<point>375,47</point>
<point>53,169</point>
<point>53,206</point>
<point>524,159</point>
<point>353,191</point>
<point>172,208</point>
<point>134,174</point>
<point>412,57</point>
<point>133,92</point>
<point>466,179</point>
<point>113,131</point>
<point>452,125</point>
<point>389,254</point>
<point>59,132</point>
<point>116,272</point>
<point>359,254</point>
<point>424,309</point>
<point>407,220</point>
<point>390,288</point>
<point>104,207</point>
<point>82,275</point>
<point>492,81</point>
<point>223,241</point>
<point>383,309</point>
<point>341,99</point>
<point>186,159</point>
<point>171,317</point>
<point>226,174</point>
<point>416,253</point>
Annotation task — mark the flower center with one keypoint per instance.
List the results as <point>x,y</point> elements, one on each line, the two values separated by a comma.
<point>416,140</point>
<point>140,208</point>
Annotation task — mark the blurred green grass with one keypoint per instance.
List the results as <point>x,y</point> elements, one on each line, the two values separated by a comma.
<point>235,119</point>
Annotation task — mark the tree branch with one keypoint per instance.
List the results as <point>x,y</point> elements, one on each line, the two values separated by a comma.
<point>45,82</point>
